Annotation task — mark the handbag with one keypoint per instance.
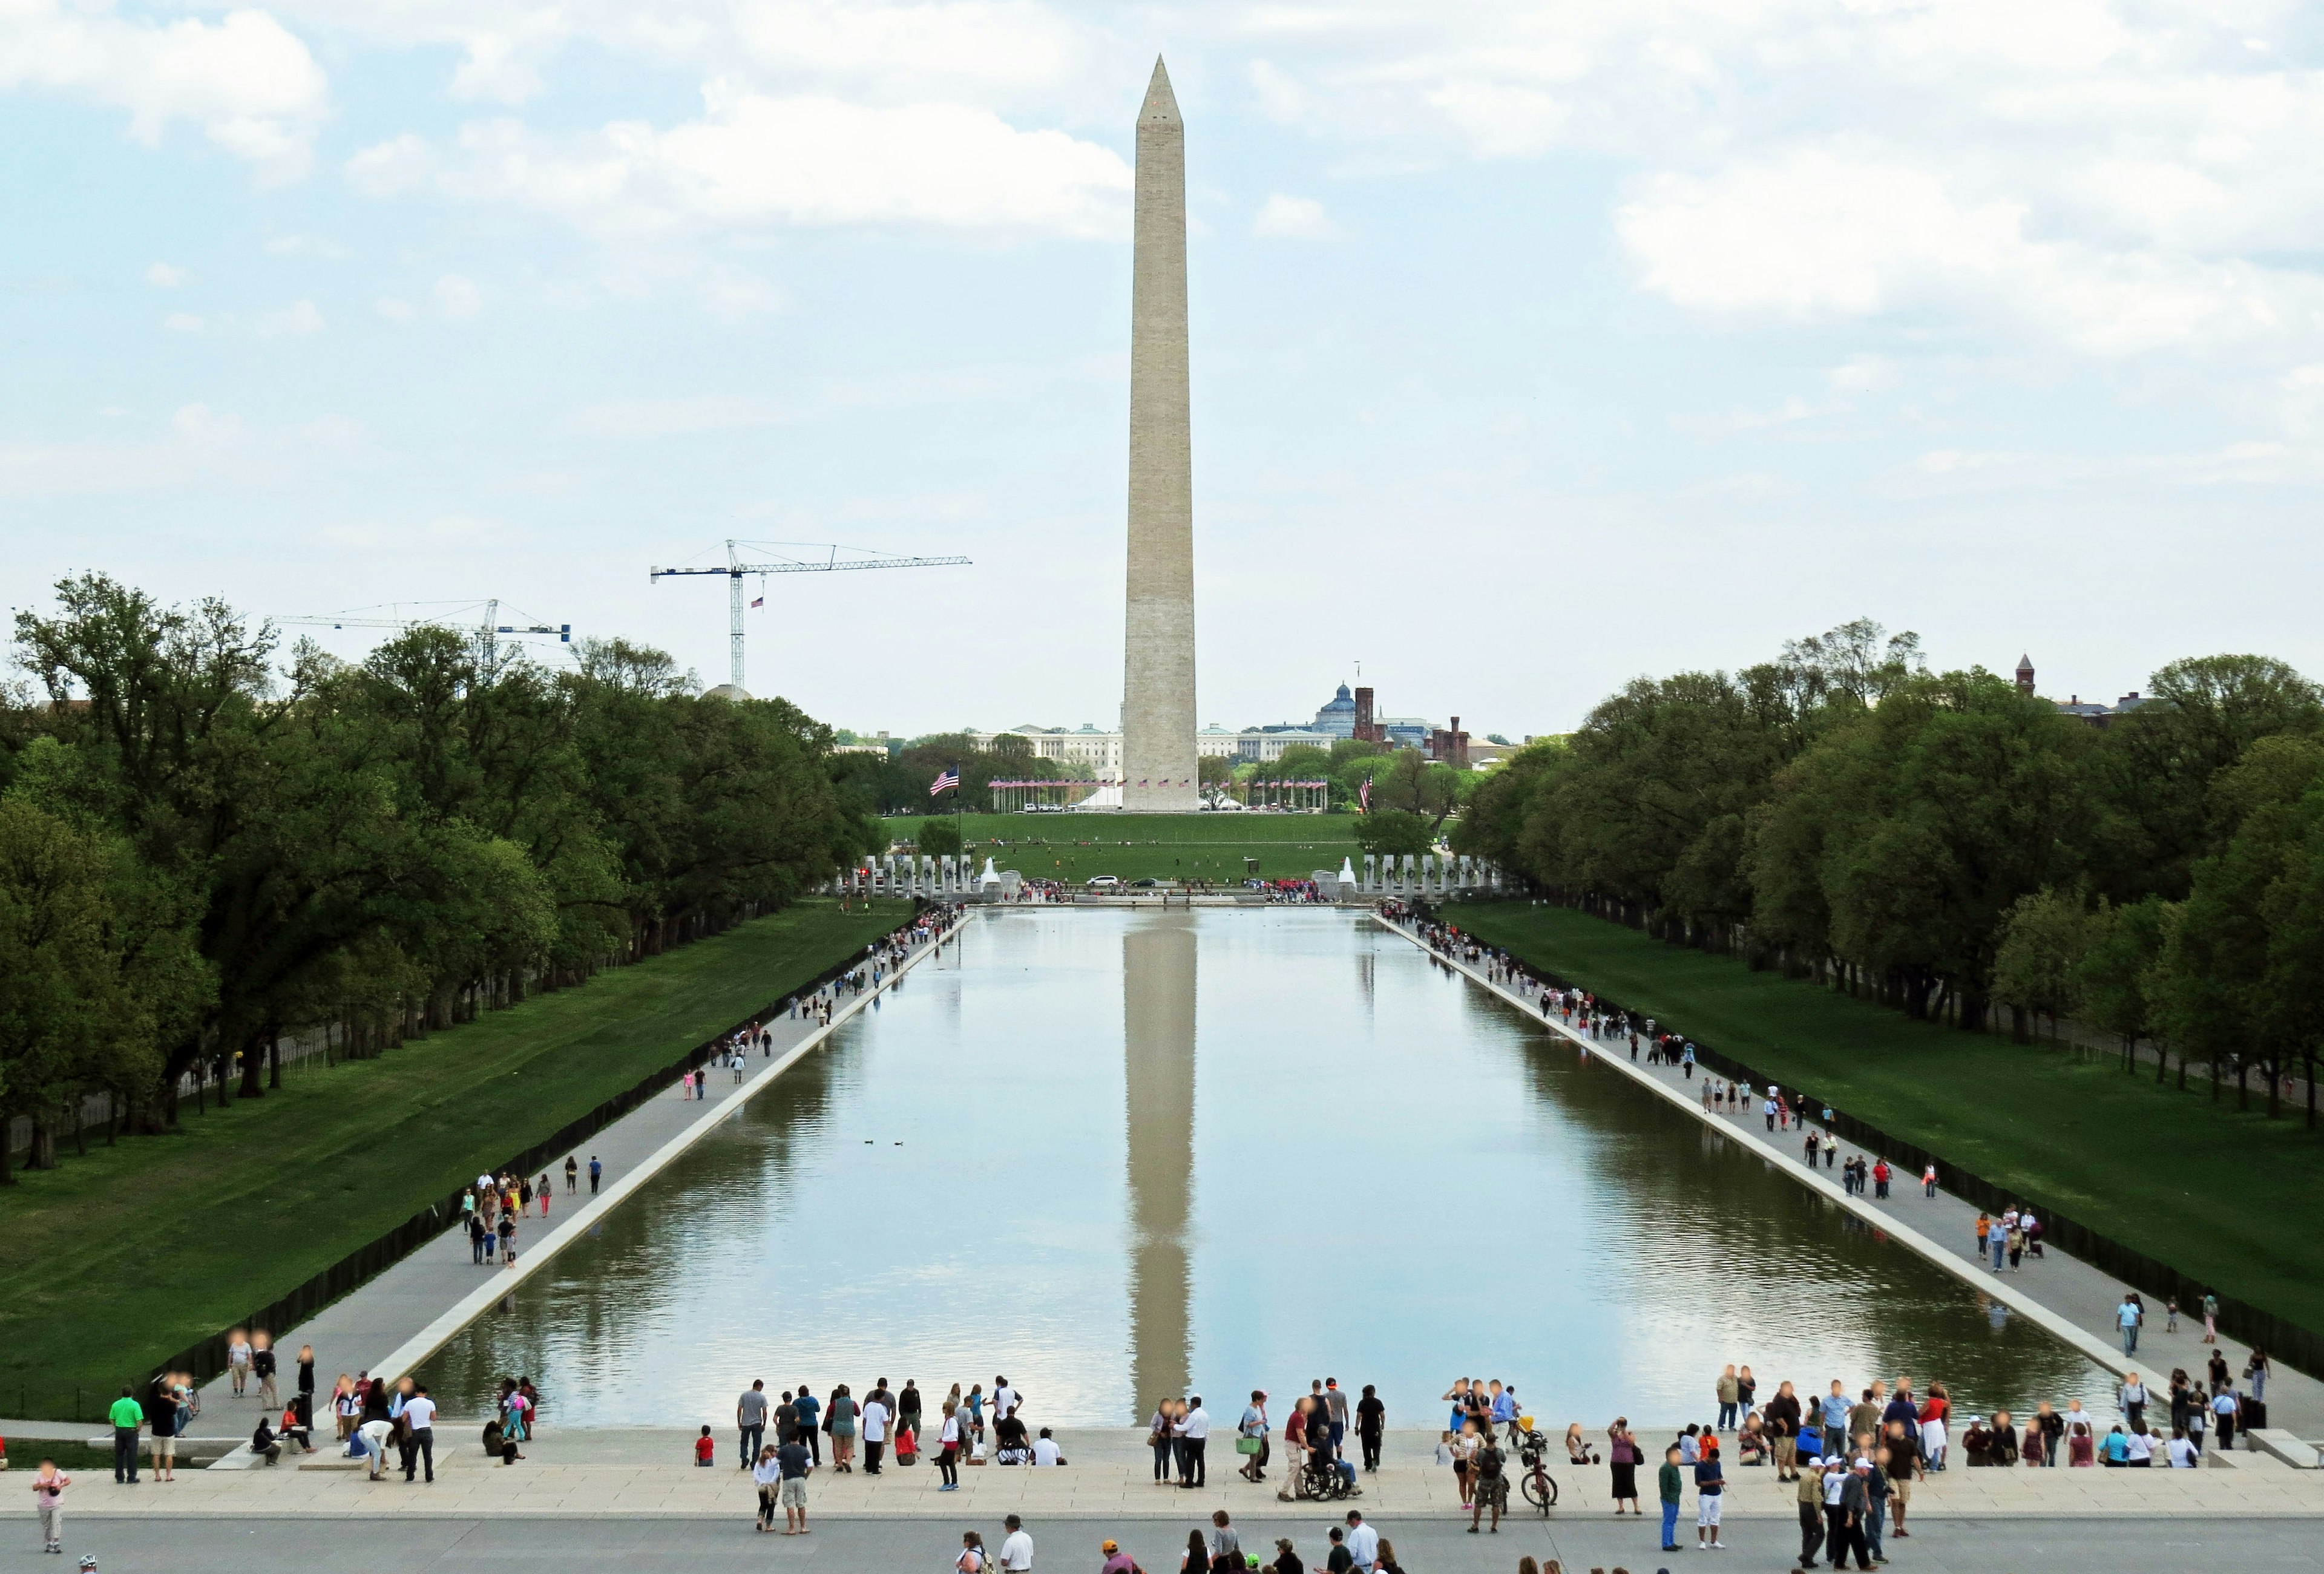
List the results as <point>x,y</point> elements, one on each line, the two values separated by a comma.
<point>1248,1445</point>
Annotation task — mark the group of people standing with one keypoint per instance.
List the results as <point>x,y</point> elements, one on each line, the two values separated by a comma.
<point>491,1207</point>
<point>881,1420</point>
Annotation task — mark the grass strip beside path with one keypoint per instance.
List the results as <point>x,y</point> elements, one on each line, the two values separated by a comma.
<point>121,1259</point>
<point>2227,1197</point>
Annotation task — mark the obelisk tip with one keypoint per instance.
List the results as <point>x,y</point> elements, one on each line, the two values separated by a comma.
<point>1161,104</point>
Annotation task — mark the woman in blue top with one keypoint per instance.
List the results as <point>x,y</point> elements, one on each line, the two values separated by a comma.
<point>2115,1451</point>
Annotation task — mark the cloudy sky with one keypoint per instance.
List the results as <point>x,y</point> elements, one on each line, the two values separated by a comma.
<point>1535,346</point>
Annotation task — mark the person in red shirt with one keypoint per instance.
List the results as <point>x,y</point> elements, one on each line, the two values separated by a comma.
<point>705,1450</point>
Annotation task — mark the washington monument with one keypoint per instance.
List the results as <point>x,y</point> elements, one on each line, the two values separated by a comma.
<point>1158,770</point>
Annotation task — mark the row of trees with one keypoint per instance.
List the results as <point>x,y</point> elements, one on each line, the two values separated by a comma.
<point>1401,779</point>
<point>1944,843</point>
<point>207,844</point>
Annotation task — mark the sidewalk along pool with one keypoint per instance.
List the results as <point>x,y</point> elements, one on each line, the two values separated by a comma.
<point>1114,1155</point>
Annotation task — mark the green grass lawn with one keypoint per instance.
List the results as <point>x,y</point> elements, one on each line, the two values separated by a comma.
<point>1213,846</point>
<point>119,1260</point>
<point>2222,1196</point>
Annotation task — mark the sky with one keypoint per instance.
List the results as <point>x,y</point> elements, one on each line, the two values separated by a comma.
<point>1535,346</point>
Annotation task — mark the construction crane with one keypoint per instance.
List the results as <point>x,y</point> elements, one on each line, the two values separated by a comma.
<point>831,562</point>
<point>488,633</point>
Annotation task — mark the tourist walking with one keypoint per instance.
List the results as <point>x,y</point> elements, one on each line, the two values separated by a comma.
<point>767,1475</point>
<point>1371,1425</point>
<point>48,1485</point>
<point>1725,1392</point>
<point>1489,1485</point>
<point>750,1420</point>
<point>839,1425</point>
<point>1250,1437</point>
<point>1016,1547</point>
<point>948,1446</point>
<point>807,1408</point>
<point>792,1490</point>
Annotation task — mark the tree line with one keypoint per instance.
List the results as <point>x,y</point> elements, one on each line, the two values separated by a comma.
<point>208,842</point>
<point>1947,844</point>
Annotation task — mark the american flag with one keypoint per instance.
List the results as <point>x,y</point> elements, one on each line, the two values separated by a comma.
<point>759,602</point>
<point>948,778</point>
<point>1364,794</point>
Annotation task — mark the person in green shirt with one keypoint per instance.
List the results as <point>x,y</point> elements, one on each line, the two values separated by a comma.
<point>126,1415</point>
<point>1670,1483</point>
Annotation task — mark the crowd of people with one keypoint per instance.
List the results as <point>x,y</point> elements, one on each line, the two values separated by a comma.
<point>781,1437</point>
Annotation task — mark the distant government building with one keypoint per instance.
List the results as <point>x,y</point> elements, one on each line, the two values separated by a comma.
<point>1346,715</point>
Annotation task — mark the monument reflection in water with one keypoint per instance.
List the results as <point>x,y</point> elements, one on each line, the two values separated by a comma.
<point>1381,1174</point>
<point>1158,994</point>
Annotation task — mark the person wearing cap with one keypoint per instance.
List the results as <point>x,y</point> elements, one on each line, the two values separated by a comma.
<point>1810,1476</point>
<point>1855,1504</point>
<point>1117,1561</point>
<point>1017,1548</point>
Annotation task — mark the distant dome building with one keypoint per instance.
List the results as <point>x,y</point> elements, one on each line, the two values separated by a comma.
<point>727,691</point>
<point>1338,717</point>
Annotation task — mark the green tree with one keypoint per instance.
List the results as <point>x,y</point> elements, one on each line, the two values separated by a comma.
<point>2038,963</point>
<point>938,838</point>
<point>1394,833</point>
<point>2119,979</point>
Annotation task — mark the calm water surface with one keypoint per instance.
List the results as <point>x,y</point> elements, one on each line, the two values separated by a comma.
<point>1117,1155</point>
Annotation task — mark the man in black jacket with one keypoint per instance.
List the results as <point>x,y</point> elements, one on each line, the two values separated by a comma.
<point>1782,1416</point>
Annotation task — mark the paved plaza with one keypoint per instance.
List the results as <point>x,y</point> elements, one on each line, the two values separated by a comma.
<point>640,1473</point>
<point>489,1544</point>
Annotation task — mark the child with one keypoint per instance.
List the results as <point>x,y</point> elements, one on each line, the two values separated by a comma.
<point>2171,1315</point>
<point>48,1496</point>
<point>705,1450</point>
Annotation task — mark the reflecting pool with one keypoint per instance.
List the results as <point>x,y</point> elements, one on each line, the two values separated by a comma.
<point>1119,1154</point>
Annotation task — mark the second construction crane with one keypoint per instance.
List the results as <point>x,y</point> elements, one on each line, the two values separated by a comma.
<point>734,568</point>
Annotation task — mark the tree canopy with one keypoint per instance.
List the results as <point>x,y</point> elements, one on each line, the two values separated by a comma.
<point>207,842</point>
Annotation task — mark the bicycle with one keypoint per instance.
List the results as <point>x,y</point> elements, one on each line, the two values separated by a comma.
<point>1538,1485</point>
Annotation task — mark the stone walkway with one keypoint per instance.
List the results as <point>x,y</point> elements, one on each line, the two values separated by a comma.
<point>1111,1478</point>
<point>399,1318</point>
<point>2071,1298</point>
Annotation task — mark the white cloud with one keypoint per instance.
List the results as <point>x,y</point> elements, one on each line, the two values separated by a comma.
<point>754,161</point>
<point>296,320</point>
<point>493,71</point>
<point>182,322</point>
<point>1292,219</point>
<point>394,310</point>
<point>395,165</point>
<point>162,276</point>
<point>457,298</point>
<point>247,82</point>
<point>1812,233</point>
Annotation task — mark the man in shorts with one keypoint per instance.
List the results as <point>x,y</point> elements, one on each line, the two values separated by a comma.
<point>792,1457</point>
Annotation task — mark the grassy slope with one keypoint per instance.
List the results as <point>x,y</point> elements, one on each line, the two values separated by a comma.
<point>1213,846</point>
<point>2222,1195</point>
<point>118,1260</point>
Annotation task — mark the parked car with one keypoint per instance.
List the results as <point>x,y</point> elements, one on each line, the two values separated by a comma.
<point>1147,884</point>
<point>1104,882</point>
